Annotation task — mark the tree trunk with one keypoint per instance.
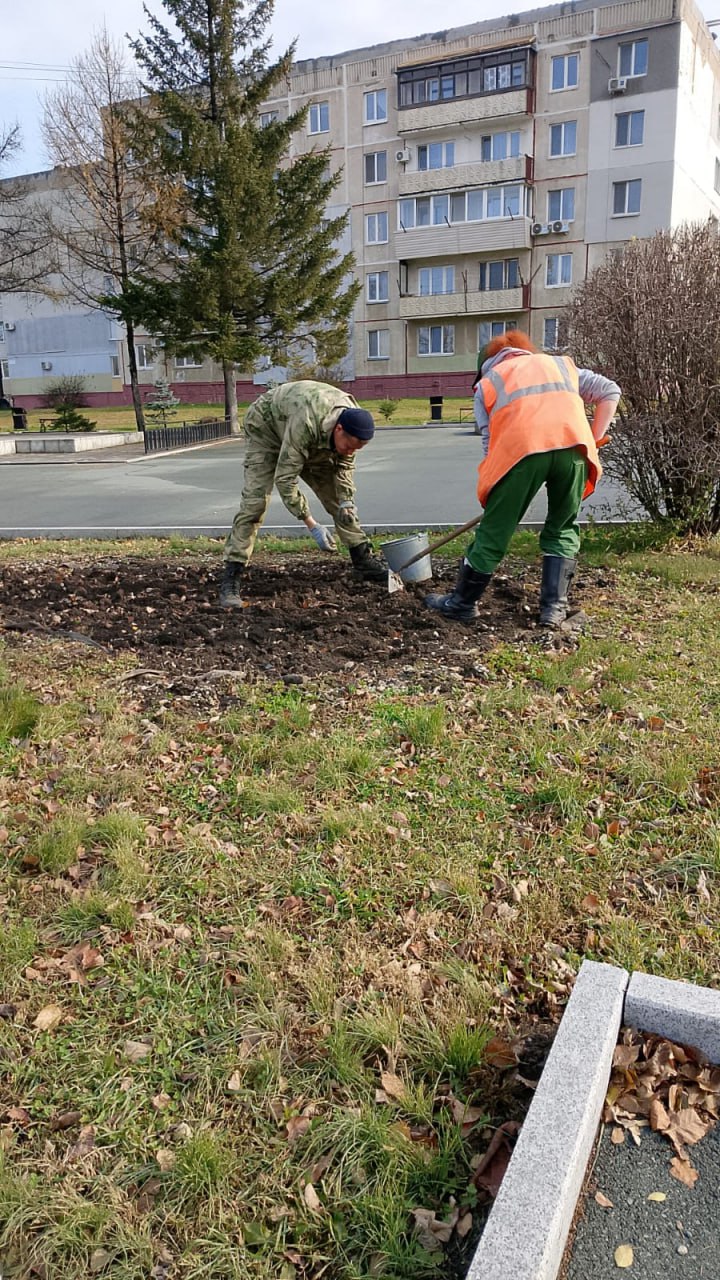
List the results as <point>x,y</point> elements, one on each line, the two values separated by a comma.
<point>231,405</point>
<point>134,383</point>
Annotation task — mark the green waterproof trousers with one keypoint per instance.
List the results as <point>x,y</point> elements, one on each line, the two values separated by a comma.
<point>564,474</point>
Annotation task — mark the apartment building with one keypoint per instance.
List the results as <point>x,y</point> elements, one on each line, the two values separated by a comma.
<point>486,169</point>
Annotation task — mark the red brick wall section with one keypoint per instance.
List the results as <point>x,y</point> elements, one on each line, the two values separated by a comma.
<point>396,387</point>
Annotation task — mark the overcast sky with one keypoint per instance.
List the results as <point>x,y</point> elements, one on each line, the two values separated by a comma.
<point>39,39</point>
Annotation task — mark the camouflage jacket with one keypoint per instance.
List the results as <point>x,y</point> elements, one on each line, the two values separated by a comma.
<point>298,418</point>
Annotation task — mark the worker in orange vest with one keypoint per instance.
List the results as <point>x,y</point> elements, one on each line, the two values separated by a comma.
<point>535,432</point>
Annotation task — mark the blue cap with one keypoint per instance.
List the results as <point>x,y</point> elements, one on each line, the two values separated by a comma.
<point>358,423</point>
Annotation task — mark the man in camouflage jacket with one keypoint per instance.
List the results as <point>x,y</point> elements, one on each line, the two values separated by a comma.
<point>301,431</point>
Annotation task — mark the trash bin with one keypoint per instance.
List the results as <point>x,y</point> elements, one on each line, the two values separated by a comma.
<point>436,404</point>
<point>19,418</point>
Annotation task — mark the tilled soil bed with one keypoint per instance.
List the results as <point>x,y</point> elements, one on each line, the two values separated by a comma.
<point>305,616</point>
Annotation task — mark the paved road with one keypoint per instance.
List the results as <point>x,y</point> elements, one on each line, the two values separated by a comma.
<point>406,479</point>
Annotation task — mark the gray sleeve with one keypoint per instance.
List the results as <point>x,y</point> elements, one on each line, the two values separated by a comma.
<point>594,387</point>
<point>482,421</point>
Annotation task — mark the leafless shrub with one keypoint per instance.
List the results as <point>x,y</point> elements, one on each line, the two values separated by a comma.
<point>649,317</point>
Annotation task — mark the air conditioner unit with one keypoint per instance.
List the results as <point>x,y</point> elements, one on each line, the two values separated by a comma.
<point>10,326</point>
<point>558,226</point>
<point>403,156</point>
<point>617,84</point>
<point>46,365</point>
<point>539,229</point>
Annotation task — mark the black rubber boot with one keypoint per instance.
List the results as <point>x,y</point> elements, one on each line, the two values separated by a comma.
<point>366,567</point>
<point>230,597</point>
<point>557,574</point>
<point>461,603</point>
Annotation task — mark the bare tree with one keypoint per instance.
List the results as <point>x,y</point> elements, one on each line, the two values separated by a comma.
<point>649,317</point>
<point>23,242</point>
<point>98,220</point>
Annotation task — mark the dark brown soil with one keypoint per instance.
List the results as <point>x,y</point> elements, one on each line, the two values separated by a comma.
<point>305,616</point>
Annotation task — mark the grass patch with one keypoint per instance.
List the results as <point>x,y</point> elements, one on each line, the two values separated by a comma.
<point>304,916</point>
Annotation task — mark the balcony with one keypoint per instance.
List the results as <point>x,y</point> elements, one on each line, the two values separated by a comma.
<point>491,236</point>
<point>494,106</point>
<point>490,301</point>
<point>476,174</point>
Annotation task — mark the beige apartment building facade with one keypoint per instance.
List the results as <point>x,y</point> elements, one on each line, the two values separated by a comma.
<point>485,170</point>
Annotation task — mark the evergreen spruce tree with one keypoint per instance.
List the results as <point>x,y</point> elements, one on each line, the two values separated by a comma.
<point>161,404</point>
<point>255,265</point>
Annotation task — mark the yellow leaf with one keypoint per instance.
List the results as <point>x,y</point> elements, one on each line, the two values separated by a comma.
<point>48,1018</point>
<point>603,1201</point>
<point>624,1256</point>
<point>234,1084</point>
<point>657,1196</point>
<point>617,1136</point>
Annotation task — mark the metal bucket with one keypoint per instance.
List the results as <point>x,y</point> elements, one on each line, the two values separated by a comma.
<point>400,550</point>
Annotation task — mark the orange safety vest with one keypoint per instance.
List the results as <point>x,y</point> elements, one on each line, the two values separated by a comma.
<point>534,405</point>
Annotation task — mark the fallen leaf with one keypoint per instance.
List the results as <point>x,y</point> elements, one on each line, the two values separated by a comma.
<point>500,1053</point>
<point>590,902</point>
<point>492,1166</point>
<point>234,1084</point>
<point>431,1231</point>
<point>161,1101</point>
<point>84,1144</point>
<point>165,1159</point>
<point>617,1136</point>
<point>64,1120</point>
<point>603,1201</point>
<point>312,1199</point>
<point>464,1225</point>
<point>136,1050</point>
<point>296,1127</point>
<point>393,1086</point>
<point>657,1197</point>
<point>624,1256</point>
<point>659,1118</point>
<point>48,1018</point>
<point>18,1115</point>
<point>684,1171</point>
<point>99,1259</point>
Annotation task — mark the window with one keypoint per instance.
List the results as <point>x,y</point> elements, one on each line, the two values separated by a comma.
<point>717,176</point>
<point>563,138</point>
<point>626,197</point>
<point>376,228</point>
<point>436,155</point>
<point>145,356</point>
<point>378,344</point>
<point>551,326</point>
<point>629,128</point>
<point>633,58</point>
<point>503,274</point>
<point>187,362</point>
<point>320,117</point>
<point>436,280</point>
<point>488,329</point>
<point>5,368</point>
<point>269,117</point>
<point>2,331</point>
<point>436,340</point>
<point>561,204</point>
<point>375,167</point>
<point>564,71</point>
<point>500,146</point>
<point>376,106</point>
<point>378,284</point>
<point>461,206</point>
<point>463,77</point>
<point>558,270</point>
<point>115,366</point>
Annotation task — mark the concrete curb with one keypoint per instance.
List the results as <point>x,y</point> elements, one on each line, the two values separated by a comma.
<point>527,1230</point>
<point>680,1011</point>
<point>220,531</point>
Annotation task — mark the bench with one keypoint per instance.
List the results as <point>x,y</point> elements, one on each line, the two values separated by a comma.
<point>47,424</point>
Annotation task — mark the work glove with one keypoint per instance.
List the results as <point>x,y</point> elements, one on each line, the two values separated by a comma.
<point>347,514</point>
<point>324,538</point>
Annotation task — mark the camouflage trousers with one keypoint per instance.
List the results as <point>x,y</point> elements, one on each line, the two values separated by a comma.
<point>260,462</point>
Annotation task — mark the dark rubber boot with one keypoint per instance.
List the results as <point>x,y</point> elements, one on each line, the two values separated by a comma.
<point>557,574</point>
<point>230,597</point>
<point>366,567</point>
<point>461,603</point>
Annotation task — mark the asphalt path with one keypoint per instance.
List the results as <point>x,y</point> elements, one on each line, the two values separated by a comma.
<point>406,479</point>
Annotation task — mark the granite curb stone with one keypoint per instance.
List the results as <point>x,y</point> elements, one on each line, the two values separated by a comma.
<point>680,1011</point>
<point>527,1230</point>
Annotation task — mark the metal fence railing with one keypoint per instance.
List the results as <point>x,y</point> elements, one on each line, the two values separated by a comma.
<point>158,439</point>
